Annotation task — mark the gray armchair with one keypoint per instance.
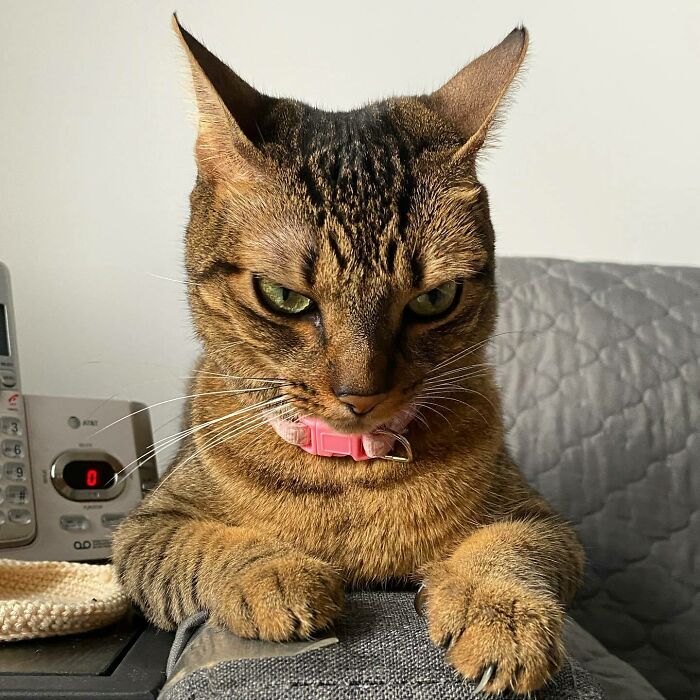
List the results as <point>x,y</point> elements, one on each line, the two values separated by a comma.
<point>600,371</point>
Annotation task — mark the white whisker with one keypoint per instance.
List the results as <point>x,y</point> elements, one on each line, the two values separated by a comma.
<point>183,398</point>
<point>457,370</point>
<point>430,406</point>
<point>465,390</point>
<point>464,403</point>
<point>471,349</point>
<point>209,445</point>
<point>166,442</point>
<point>187,283</point>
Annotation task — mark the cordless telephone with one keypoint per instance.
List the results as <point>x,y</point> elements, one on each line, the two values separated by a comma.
<point>70,468</point>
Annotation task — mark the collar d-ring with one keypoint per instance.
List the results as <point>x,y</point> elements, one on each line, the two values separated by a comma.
<point>408,457</point>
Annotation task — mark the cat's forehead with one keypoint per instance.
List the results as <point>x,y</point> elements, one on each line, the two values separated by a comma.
<point>358,172</point>
<point>356,168</point>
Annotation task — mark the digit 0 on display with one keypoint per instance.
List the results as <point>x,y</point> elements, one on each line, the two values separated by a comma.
<point>87,475</point>
<point>80,475</point>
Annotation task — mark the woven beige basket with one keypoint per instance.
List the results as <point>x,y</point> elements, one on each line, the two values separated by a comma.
<point>44,599</point>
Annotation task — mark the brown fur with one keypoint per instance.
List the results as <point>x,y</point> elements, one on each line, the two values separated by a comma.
<point>360,211</point>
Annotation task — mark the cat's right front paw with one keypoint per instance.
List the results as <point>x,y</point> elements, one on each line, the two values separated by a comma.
<point>286,597</point>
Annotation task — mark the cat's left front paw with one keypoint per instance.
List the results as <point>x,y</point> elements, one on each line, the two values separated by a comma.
<point>495,623</point>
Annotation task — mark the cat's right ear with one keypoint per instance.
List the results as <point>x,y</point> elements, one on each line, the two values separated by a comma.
<point>471,100</point>
<point>229,110</point>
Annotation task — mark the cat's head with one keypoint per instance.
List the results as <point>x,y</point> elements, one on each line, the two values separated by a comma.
<point>347,254</point>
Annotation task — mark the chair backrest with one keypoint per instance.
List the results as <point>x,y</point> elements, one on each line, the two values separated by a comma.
<point>600,371</point>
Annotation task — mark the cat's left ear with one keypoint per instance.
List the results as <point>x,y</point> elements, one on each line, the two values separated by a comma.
<point>471,99</point>
<point>230,111</point>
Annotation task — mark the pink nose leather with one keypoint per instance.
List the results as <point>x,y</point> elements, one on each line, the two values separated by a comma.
<point>359,404</point>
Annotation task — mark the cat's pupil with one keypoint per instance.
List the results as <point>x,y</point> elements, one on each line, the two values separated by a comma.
<point>285,293</point>
<point>434,295</point>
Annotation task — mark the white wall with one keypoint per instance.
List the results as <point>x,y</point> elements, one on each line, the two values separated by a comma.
<point>599,158</point>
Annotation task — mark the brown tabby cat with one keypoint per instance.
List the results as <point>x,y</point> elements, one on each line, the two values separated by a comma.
<point>341,266</point>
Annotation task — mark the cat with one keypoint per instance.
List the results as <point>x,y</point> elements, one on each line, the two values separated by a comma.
<point>341,266</point>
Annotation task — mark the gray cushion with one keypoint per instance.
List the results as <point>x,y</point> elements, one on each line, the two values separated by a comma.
<point>383,653</point>
<point>602,394</point>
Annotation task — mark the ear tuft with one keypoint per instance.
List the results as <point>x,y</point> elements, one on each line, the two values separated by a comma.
<point>470,100</point>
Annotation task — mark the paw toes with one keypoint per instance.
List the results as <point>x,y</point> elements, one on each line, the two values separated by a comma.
<point>281,599</point>
<point>499,634</point>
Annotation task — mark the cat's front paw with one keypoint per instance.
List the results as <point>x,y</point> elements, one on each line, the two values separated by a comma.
<point>289,596</point>
<point>496,623</point>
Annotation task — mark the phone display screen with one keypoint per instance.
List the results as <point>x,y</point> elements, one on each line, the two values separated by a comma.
<point>83,475</point>
<point>4,332</point>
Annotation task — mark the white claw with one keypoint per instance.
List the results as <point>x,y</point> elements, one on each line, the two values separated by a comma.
<point>488,673</point>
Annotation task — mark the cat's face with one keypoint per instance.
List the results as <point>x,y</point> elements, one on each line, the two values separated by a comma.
<point>346,254</point>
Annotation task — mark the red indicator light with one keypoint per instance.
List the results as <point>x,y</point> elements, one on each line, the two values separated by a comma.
<point>91,478</point>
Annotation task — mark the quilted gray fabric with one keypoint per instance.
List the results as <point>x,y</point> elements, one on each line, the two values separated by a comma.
<point>384,654</point>
<point>601,379</point>
<point>602,393</point>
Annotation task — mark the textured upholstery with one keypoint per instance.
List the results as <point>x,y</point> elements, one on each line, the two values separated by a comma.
<point>602,396</point>
<point>601,382</point>
<point>384,654</point>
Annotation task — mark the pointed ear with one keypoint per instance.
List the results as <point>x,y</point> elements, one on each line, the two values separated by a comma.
<point>470,100</point>
<point>229,109</point>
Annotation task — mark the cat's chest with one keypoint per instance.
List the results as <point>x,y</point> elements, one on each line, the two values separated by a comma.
<point>370,533</point>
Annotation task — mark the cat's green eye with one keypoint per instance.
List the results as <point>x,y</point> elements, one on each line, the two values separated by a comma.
<point>281,299</point>
<point>434,302</point>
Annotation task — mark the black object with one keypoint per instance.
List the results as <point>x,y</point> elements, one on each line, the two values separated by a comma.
<point>82,475</point>
<point>125,661</point>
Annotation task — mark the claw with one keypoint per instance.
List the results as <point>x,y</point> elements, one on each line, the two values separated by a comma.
<point>485,678</point>
<point>419,600</point>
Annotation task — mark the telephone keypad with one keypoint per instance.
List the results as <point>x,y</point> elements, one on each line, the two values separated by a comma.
<point>20,516</point>
<point>15,471</point>
<point>11,425</point>
<point>13,448</point>
<point>17,518</point>
<point>17,495</point>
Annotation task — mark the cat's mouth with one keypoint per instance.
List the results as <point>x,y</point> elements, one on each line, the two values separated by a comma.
<point>317,437</point>
<point>349,424</point>
<point>367,424</point>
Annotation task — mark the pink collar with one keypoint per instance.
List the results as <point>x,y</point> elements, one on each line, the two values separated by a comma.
<point>317,438</point>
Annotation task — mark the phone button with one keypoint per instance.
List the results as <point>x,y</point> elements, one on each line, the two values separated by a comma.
<point>74,522</point>
<point>15,471</point>
<point>19,495</point>
<point>20,517</point>
<point>11,425</point>
<point>111,520</point>
<point>13,448</point>
<point>8,378</point>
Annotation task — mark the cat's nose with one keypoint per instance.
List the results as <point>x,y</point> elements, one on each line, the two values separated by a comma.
<point>361,404</point>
